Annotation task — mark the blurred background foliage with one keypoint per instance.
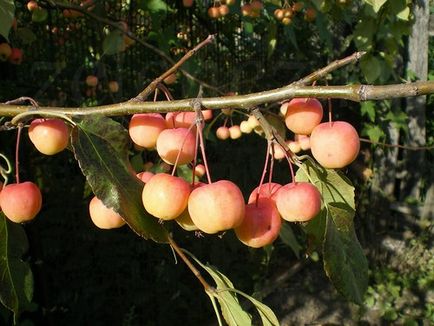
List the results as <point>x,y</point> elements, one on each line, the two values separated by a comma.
<point>86,276</point>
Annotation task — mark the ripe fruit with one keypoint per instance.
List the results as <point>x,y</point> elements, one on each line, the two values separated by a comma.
<point>145,128</point>
<point>278,13</point>
<point>214,12</point>
<point>310,14</point>
<point>246,9</point>
<point>223,10</point>
<point>245,127</point>
<point>261,224</point>
<point>298,201</point>
<point>217,206</point>
<point>267,190</point>
<point>302,115</point>
<point>222,133</point>
<point>187,3</point>
<point>294,146</point>
<point>235,132</point>
<point>165,196</point>
<point>199,170</point>
<point>253,122</point>
<point>104,217</point>
<point>5,51</point>
<point>16,56</point>
<point>278,151</point>
<point>172,141</point>
<point>185,119</point>
<point>184,220</point>
<point>334,144</point>
<point>32,5</point>
<point>113,86</point>
<point>91,81</point>
<point>304,142</point>
<point>50,136</point>
<point>21,202</point>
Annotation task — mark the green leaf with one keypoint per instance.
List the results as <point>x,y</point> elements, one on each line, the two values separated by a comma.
<point>364,33</point>
<point>16,277</point>
<point>288,237</point>
<point>26,35</point>
<point>344,261</point>
<point>39,15</point>
<point>334,186</point>
<point>7,13</point>
<point>101,148</point>
<point>371,67</point>
<point>376,4</point>
<point>113,43</point>
<point>374,132</point>
<point>404,14</point>
<point>368,108</point>
<point>271,39</point>
<point>153,5</point>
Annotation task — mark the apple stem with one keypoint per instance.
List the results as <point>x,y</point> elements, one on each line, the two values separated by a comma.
<point>155,95</point>
<point>17,147</point>
<point>290,167</point>
<point>202,149</point>
<point>179,152</point>
<point>195,158</point>
<point>330,111</point>
<point>189,264</point>
<point>264,171</point>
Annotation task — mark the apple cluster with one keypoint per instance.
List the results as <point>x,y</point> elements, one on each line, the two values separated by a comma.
<point>10,54</point>
<point>210,207</point>
<point>287,12</point>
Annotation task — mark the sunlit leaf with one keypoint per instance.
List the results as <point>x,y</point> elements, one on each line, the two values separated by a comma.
<point>376,4</point>
<point>7,13</point>
<point>101,147</point>
<point>16,278</point>
<point>344,261</point>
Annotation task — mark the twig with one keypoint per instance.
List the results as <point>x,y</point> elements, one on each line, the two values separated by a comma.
<point>151,87</point>
<point>410,148</point>
<point>131,35</point>
<point>195,271</point>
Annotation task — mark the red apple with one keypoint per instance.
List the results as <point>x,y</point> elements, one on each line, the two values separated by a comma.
<point>334,144</point>
<point>165,196</point>
<point>5,51</point>
<point>170,142</point>
<point>302,115</point>
<point>104,217</point>
<point>50,136</point>
<point>16,56</point>
<point>261,224</point>
<point>145,128</point>
<point>21,202</point>
<point>91,81</point>
<point>298,201</point>
<point>217,206</point>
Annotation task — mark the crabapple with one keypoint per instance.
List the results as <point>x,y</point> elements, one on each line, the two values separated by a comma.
<point>32,5</point>
<point>302,115</point>
<point>91,81</point>
<point>334,144</point>
<point>217,206</point>
<point>235,132</point>
<point>170,142</point>
<point>21,202</point>
<point>187,3</point>
<point>165,196</point>
<point>184,220</point>
<point>266,190</point>
<point>113,86</point>
<point>261,224</point>
<point>245,127</point>
<point>223,10</point>
<point>5,51</point>
<point>294,146</point>
<point>16,56</point>
<point>185,119</point>
<point>145,128</point>
<point>222,133</point>
<point>253,122</point>
<point>199,170</point>
<point>50,136</point>
<point>304,141</point>
<point>298,201</point>
<point>104,217</point>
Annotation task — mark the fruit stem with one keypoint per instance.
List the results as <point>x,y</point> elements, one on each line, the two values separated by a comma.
<point>290,166</point>
<point>179,152</point>
<point>264,171</point>
<point>329,100</point>
<point>189,264</point>
<point>155,95</point>
<point>17,151</point>
<point>202,149</point>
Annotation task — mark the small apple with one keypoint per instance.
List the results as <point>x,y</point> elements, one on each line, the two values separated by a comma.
<point>104,217</point>
<point>170,142</point>
<point>5,51</point>
<point>261,224</point>
<point>32,5</point>
<point>187,3</point>
<point>302,115</point>
<point>266,190</point>
<point>213,12</point>
<point>16,56</point>
<point>113,86</point>
<point>217,206</point>
<point>145,176</point>
<point>298,201</point>
<point>144,129</point>
<point>235,132</point>
<point>223,10</point>
<point>21,202</point>
<point>165,196</point>
<point>91,81</point>
<point>334,144</point>
<point>50,136</point>
<point>223,133</point>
